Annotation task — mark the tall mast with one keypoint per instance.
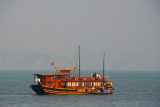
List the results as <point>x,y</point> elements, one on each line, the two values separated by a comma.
<point>103,64</point>
<point>79,62</point>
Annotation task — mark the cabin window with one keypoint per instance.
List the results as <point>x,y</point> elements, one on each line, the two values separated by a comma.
<point>63,76</point>
<point>82,83</point>
<point>76,83</point>
<point>58,77</point>
<point>49,84</point>
<point>79,83</point>
<point>73,83</point>
<point>68,83</point>
<point>98,84</point>
<point>87,83</point>
<point>44,78</point>
<point>95,83</point>
<point>52,77</point>
<point>91,84</point>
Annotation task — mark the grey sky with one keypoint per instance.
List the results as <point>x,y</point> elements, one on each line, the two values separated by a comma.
<point>35,32</point>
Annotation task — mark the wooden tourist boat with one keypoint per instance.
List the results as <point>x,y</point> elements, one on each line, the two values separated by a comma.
<point>61,82</point>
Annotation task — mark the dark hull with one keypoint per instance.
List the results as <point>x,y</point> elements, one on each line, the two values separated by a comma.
<point>38,89</point>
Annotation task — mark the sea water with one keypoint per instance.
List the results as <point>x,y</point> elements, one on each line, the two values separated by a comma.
<point>132,89</point>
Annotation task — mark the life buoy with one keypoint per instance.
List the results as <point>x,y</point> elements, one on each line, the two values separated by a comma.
<point>93,78</point>
<point>76,78</point>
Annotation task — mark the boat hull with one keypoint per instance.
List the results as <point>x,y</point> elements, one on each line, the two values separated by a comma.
<point>45,90</point>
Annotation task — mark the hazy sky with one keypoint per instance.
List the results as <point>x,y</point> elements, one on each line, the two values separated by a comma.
<point>35,32</point>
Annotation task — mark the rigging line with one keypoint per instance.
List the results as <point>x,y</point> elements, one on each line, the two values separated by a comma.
<point>107,67</point>
<point>107,71</point>
<point>76,59</point>
<point>99,65</point>
<point>72,62</point>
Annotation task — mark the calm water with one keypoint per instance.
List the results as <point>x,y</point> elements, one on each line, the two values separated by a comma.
<point>132,89</point>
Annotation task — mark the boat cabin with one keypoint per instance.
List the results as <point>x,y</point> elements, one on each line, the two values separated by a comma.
<point>62,79</point>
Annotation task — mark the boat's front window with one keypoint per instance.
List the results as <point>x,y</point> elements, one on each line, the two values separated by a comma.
<point>58,77</point>
<point>44,77</point>
<point>52,77</point>
<point>63,76</point>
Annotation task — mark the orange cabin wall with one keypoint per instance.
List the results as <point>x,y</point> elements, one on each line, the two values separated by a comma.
<point>53,82</point>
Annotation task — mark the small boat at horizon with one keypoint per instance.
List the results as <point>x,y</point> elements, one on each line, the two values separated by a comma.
<point>62,83</point>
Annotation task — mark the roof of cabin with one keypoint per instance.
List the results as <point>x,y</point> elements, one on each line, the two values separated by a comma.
<point>68,69</point>
<point>53,74</point>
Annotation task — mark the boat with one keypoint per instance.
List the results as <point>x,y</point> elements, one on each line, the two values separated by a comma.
<point>62,83</point>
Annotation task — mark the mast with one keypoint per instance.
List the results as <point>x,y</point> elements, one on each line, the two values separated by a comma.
<point>103,65</point>
<point>79,62</point>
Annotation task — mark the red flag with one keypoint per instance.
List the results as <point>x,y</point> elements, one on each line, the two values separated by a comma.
<point>52,63</point>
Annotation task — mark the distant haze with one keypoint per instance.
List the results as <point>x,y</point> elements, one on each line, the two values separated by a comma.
<point>33,33</point>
